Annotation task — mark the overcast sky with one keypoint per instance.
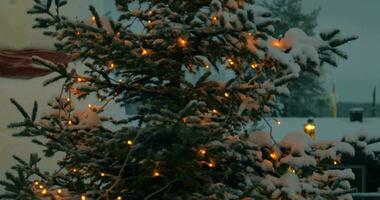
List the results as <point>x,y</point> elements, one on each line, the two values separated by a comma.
<point>356,77</point>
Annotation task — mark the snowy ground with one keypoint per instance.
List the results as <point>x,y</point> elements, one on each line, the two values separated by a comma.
<point>26,91</point>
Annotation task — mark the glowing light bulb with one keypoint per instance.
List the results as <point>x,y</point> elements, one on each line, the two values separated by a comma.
<point>145,52</point>
<point>215,111</point>
<point>254,65</point>
<point>83,197</point>
<point>129,142</point>
<point>211,164</point>
<point>207,66</point>
<point>93,19</point>
<point>68,99</point>
<point>69,123</point>
<point>335,162</point>
<point>214,19</point>
<point>41,186</point>
<point>182,42</point>
<point>202,151</point>
<point>119,198</point>
<point>273,155</point>
<point>277,43</point>
<point>59,191</point>
<point>156,173</point>
<point>226,94</point>
<point>36,183</point>
<point>44,191</point>
<point>278,122</point>
<point>89,105</point>
<point>102,174</point>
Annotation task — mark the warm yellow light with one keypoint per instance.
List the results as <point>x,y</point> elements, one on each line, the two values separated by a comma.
<point>310,127</point>
<point>41,186</point>
<point>277,43</point>
<point>215,111</point>
<point>129,142</point>
<point>89,105</point>
<point>83,197</point>
<point>211,164</point>
<point>149,21</point>
<point>59,191</point>
<point>102,174</point>
<point>145,52</point>
<point>79,79</point>
<point>226,94</point>
<point>182,42</point>
<point>156,173</point>
<point>274,156</point>
<point>69,123</point>
<point>75,170</point>
<point>292,170</point>
<point>336,162</point>
<point>93,18</point>
<point>44,191</point>
<point>230,61</point>
<point>36,183</point>
<point>278,122</point>
<point>111,65</point>
<point>119,198</point>
<point>254,65</point>
<point>207,66</point>
<point>202,151</point>
<point>68,99</point>
<point>214,19</point>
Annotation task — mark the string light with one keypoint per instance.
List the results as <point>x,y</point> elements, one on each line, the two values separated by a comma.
<point>226,94</point>
<point>156,173</point>
<point>230,61</point>
<point>207,66</point>
<point>41,187</point>
<point>102,174</point>
<point>254,65</point>
<point>44,191</point>
<point>83,197</point>
<point>93,19</point>
<point>69,122</point>
<point>75,170</point>
<point>119,198</point>
<point>277,43</point>
<point>211,164</point>
<point>111,65</point>
<point>80,79</point>
<point>89,106</point>
<point>145,52</point>
<point>68,99</point>
<point>273,155</point>
<point>215,111</point>
<point>129,142</point>
<point>36,183</point>
<point>335,162</point>
<point>202,151</point>
<point>214,19</point>
<point>59,191</point>
<point>292,170</point>
<point>278,122</point>
<point>182,42</point>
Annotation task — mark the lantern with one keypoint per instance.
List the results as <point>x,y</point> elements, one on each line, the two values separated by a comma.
<point>309,128</point>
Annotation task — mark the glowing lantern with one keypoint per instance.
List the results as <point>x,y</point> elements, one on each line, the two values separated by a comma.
<point>309,128</point>
<point>277,43</point>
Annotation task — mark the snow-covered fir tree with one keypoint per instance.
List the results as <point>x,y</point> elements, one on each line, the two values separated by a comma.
<point>308,96</point>
<point>187,140</point>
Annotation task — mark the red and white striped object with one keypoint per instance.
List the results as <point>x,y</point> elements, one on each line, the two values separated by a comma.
<point>18,63</point>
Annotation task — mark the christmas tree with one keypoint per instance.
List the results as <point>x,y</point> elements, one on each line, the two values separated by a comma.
<point>188,140</point>
<point>308,97</point>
